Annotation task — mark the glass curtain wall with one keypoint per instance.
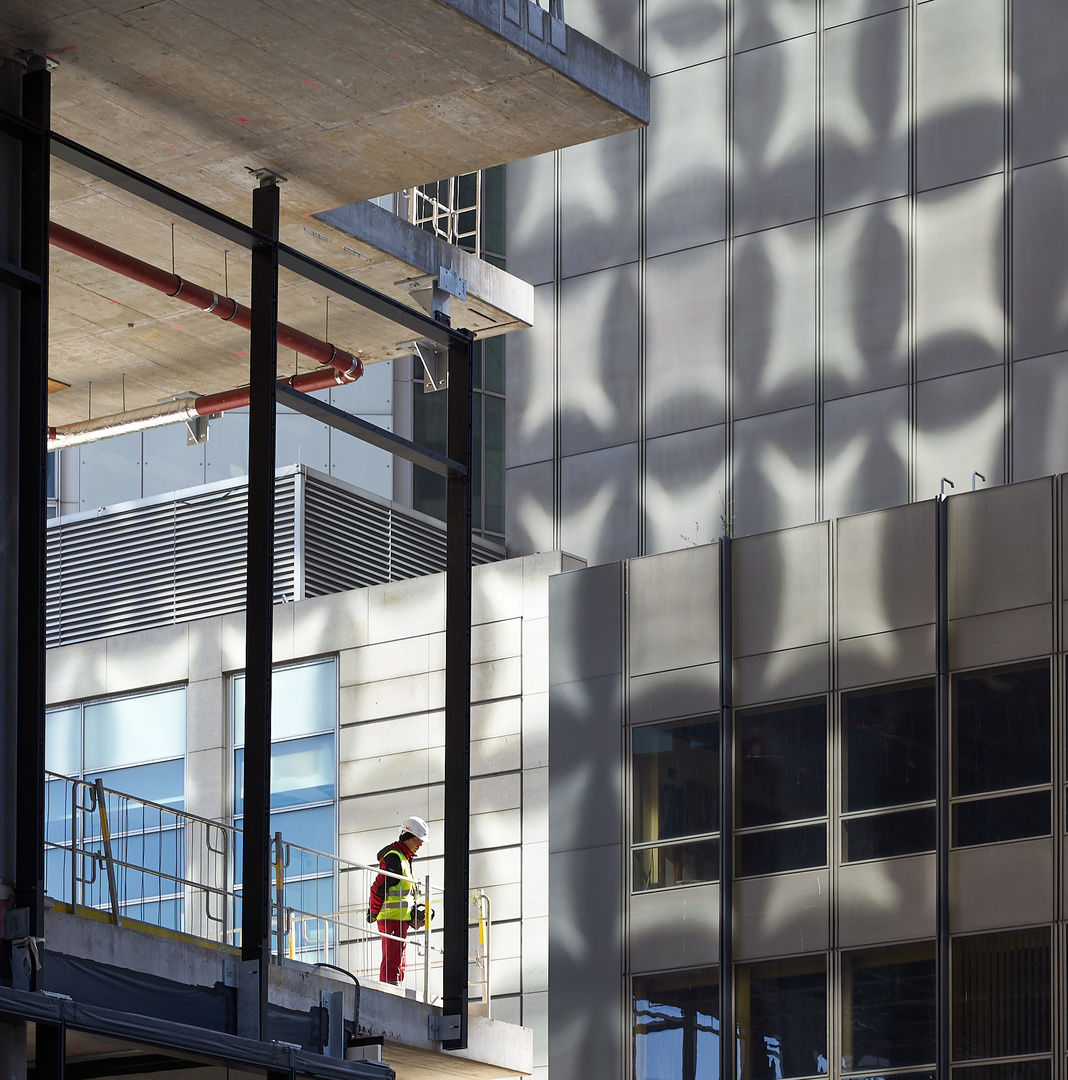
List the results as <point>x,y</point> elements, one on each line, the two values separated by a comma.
<point>304,719</point>
<point>135,745</point>
<point>885,996</point>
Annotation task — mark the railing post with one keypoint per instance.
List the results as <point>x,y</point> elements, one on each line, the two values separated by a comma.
<point>427,910</point>
<point>109,861</point>
<point>279,898</point>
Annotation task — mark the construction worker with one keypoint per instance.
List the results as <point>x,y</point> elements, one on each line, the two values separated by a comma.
<point>393,899</point>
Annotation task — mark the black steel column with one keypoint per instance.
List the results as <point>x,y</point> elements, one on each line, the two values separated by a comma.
<point>458,693</point>
<point>263,350</point>
<point>50,1058</point>
<point>33,398</point>
<point>726,813</point>
<point>943,973</point>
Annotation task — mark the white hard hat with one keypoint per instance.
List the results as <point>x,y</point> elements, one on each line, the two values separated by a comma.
<point>417,827</point>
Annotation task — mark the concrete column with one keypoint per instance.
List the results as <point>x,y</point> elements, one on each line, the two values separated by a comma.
<point>12,1036</point>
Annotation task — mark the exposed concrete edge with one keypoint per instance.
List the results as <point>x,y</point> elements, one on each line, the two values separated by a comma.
<point>585,62</point>
<point>372,224</point>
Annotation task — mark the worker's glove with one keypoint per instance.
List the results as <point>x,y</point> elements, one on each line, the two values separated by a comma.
<point>370,917</point>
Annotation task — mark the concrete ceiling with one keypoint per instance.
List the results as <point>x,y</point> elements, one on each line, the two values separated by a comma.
<point>348,99</point>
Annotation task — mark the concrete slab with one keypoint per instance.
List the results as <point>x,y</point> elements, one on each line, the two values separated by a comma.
<point>348,99</point>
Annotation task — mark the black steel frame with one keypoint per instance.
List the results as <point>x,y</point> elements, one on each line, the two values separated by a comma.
<point>726,812</point>
<point>268,254</point>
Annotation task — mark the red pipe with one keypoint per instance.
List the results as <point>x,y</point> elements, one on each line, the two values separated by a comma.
<point>349,367</point>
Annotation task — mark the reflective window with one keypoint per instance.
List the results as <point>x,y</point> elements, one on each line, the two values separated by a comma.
<point>143,727</point>
<point>1001,729</point>
<point>888,736</point>
<point>1002,995</point>
<point>135,745</point>
<point>782,777</point>
<point>675,770</point>
<point>1001,740</point>
<point>676,1026</point>
<point>303,788</point>
<point>782,1019</point>
<point>888,1008</point>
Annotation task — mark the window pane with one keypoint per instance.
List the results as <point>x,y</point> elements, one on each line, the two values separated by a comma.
<point>1001,995</point>
<point>781,849</point>
<point>783,764</point>
<point>890,746</point>
<point>676,779</point>
<point>147,727</point>
<point>676,1026</point>
<point>678,864</point>
<point>1012,817</point>
<point>162,782</point>
<point>493,480</point>
<point>889,1007</point>
<point>886,835</point>
<point>1007,1070</point>
<point>1002,729</point>
<point>63,740</point>
<point>302,771</point>
<point>782,1019</point>
<point>303,700</point>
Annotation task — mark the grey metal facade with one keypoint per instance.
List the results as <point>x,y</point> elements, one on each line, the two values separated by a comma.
<point>829,273</point>
<point>823,615</point>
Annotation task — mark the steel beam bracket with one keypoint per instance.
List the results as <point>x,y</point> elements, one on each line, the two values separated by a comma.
<point>442,1028</point>
<point>432,292</point>
<point>435,361</point>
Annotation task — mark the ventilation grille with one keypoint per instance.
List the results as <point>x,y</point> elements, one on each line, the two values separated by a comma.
<point>164,561</point>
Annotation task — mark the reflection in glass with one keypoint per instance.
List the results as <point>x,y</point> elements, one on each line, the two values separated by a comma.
<point>145,727</point>
<point>888,1007</point>
<point>63,740</point>
<point>1002,987</point>
<point>1001,729</point>
<point>676,779</point>
<point>1012,817</point>
<point>302,771</point>
<point>889,746</point>
<point>781,849</point>
<point>782,763</point>
<point>676,864</point>
<point>676,1026</point>
<point>303,700</point>
<point>782,1019</point>
<point>1040,1069</point>
<point>882,836</point>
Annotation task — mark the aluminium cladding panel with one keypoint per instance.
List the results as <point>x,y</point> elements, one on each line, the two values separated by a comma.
<point>886,900</point>
<point>1001,548</point>
<point>1002,885</point>
<point>674,928</point>
<point>585,823</point>
<point>673,633</point>
<point>781,915</point>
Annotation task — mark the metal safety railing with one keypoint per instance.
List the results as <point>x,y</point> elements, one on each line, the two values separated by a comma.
<point>153,863</point>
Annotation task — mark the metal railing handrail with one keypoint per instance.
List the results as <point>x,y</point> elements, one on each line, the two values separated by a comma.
<point>200,883</point>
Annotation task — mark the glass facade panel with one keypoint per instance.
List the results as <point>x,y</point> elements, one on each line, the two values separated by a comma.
<point>1001,729</point>
<point>889,1008</point>
<point>782,1019</point>
<point>146,727</point>
<point>302,771</point>
<point>1002,987</point>
<point>301,696</point>
<point>781,849</point>
<point>63,741</point>
<point>676,864</point>
<point>889,737</point>
<point>676,779</point>
<point>162,782</point>
<point>882,836</point>
<point>1040,1069</point>
<point>1012,817</point>
<point>676,1026</point>
<point>782,755</point>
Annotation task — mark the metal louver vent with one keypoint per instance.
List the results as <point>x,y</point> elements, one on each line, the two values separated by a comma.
<point>173,559</point>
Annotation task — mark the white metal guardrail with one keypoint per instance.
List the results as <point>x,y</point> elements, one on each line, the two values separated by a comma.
<point>150,863</point>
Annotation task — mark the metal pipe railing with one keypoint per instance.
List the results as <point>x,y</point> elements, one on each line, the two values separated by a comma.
<point>147,862</point>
